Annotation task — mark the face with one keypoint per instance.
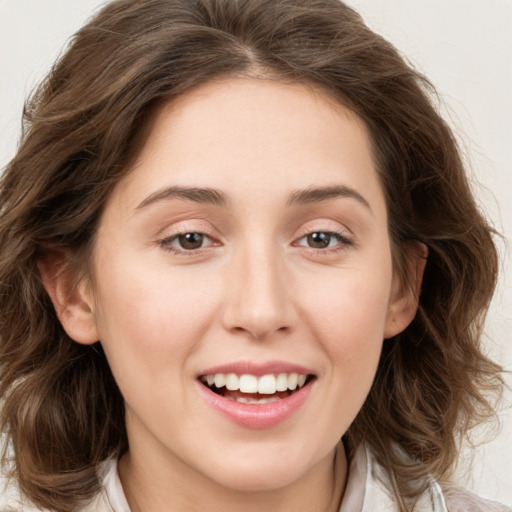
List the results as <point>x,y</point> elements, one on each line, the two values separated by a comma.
<point>243,283</point>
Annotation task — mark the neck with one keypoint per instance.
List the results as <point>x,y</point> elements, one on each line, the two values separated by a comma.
<point>151,487</point>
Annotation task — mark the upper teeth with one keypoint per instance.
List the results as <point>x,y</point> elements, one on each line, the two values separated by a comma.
<point>246,383</point>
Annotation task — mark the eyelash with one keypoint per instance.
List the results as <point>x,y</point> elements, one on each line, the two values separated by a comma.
<point>343,242</point>
<point>166,242</point>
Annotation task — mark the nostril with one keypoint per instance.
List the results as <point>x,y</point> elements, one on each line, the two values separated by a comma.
<point>259,305</point>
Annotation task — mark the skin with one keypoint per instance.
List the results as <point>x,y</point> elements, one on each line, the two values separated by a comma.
<point>256,290</point>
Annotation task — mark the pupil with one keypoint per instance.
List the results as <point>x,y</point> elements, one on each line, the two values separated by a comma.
<point>191,240</point>
<point>319,240</point>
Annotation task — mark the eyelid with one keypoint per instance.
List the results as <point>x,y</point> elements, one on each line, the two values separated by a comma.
<point>166,244</point>
<point>344,235</point>
<point>183,228</point>
<point>187,226</point>
<point>325,225</point>
<point>338,234</point>
<point>341,237</point>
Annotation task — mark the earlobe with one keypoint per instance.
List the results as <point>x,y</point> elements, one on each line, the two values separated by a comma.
<point>406,289</point>
<point>73,302</point>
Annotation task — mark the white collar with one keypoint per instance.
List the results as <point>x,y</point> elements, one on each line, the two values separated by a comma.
<point>113,488</point>
<point>368,488</point>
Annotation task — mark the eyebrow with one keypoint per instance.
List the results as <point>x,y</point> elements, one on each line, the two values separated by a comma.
<point>195,194</point>
<point>317,195</point>
<point>219,198</point>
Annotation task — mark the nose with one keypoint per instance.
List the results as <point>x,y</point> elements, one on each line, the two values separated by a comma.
<point>259,298</point>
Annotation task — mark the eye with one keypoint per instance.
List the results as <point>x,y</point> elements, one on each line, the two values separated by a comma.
<point>323,240</point>
<point>186,242</point>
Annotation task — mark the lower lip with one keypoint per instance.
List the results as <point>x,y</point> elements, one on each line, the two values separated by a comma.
<point>254,416</point>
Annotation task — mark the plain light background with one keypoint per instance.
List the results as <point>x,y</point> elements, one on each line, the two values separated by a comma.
<point>463,46</point>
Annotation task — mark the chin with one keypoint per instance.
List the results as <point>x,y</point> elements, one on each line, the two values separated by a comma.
<point>253,473</point>
<point>264,480</point>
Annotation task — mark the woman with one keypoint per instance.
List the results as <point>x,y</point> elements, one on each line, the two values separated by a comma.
<point>228,241</point>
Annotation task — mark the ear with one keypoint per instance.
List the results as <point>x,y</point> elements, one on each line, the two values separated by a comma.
<point>406,290</point>
<point>72,300</point>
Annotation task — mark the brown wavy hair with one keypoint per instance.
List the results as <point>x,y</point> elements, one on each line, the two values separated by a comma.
<point>61,408</point>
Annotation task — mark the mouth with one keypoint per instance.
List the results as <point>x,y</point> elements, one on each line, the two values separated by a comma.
<point>253,389</point>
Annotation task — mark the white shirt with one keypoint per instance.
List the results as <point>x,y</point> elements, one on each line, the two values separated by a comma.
<point>366,491</point>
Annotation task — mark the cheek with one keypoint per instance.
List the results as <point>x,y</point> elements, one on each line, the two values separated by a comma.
<point>351,307</point>
<point>347,316</point>
<point>348,319</point>
<point>151,318</point>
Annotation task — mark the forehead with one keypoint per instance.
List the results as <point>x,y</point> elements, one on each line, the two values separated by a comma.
<point>253,136</point>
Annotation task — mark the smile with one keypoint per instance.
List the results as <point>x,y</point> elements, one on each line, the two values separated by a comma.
<point>247,388</point>
<point>256,397</point>
<point>270,384</point>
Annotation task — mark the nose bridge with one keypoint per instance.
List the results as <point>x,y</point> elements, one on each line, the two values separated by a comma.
<point>259,299</point>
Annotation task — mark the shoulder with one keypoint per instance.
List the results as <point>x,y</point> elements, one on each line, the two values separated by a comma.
<point>99,504</point>
<point>377,493</point>
<point>369,488</point>
<point>12,499</point>
<point>102,501</point>
<point>459,499</point>
<point>111,498</point>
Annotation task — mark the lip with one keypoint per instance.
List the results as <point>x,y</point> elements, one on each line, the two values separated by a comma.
<point>254,416</point>
<point>257,369</point>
